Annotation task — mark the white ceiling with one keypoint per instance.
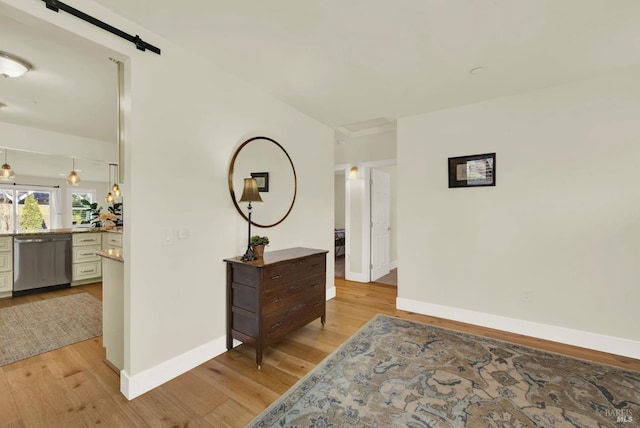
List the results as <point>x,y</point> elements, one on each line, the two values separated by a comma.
<point>71,89</point>
<point>347,61</point>
<point>355,65</point>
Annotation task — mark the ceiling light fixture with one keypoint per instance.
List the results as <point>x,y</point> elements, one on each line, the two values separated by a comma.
<point>73,178</point>
<point>116,189</point>
<point>109,198</point>
<point>12,66</point>
<point>6,173</point>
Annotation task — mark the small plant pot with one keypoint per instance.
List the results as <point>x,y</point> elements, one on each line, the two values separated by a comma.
<point>258,250</point>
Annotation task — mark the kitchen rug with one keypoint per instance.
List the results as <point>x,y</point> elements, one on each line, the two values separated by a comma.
<point>33,328</point>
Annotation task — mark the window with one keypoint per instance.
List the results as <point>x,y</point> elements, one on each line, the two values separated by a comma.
<point>25,209</point>
<point>80,214</point>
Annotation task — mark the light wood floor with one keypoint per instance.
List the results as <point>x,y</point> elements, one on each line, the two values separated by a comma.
<point>72,387</point>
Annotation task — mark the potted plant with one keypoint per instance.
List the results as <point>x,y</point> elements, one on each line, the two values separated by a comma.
<point>258,243</point>
<point>95,213</point>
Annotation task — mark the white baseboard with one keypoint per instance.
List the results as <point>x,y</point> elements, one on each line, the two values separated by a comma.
<point>357,277</point>
<point>134,386</point>
<point>331,293</point>
<point>599,342</point>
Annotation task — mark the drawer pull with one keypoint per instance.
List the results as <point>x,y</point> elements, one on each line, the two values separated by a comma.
<point>88,254</point>
<point>276,277</point>
<point>297,307</point>
<point>276,325</point>
<point>316,305</point>
<point>317,284</point>
<point>87,240</point>
<point>298,263</point>
<point>294,287</point>
<point>276,300</point>
<point>87,271</point>
<point>315,265</point>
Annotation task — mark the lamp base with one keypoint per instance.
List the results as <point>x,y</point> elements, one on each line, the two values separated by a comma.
<point>249,255</point>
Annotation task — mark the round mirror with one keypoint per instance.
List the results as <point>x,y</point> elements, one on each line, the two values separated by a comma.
<point>269,163</point>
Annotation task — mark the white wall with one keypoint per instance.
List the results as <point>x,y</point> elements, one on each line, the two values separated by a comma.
<point>556,243</point>
<point>366,148</point>
<point>193,120</point>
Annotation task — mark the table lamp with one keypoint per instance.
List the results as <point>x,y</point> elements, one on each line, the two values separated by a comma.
<point>250,194</point>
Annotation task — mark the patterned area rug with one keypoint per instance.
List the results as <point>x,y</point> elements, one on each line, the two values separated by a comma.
<point>33,328</point>
<point>399,373</point>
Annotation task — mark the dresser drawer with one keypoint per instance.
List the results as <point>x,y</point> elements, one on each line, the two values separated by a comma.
<point>6,281</point>
<point>113,240</point>
<point>285,273</point>
<point>87,238</point>
<point>277,325</point>
<point>85,254</point>
<point>288,294</point>
<point>6,243</point>
<point>87,270</point>
<point>6,262</point>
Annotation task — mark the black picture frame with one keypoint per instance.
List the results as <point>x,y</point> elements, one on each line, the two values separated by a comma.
<point>472,171</point>
<point>262,178</point>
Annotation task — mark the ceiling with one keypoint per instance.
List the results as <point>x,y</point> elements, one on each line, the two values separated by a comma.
<point>355,65</point>
<point>71,90</point>
<point>346,63</point>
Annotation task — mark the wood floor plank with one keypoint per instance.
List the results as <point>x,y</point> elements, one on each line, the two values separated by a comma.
<point>9,415</point>
<point>73,387</point>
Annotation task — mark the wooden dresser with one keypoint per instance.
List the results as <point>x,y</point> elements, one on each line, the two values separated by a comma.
<point>270,297</point>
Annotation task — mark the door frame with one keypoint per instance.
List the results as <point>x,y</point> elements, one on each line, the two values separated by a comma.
<point>345,167</point>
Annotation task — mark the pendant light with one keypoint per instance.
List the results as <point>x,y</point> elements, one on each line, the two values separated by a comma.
<point>6,173</point>
<point>73,178</point>
<point>109,198</point>
<point>115,189</point>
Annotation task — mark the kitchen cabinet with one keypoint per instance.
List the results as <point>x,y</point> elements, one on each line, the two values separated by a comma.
<point>111,240</point>
<point>6,266</point>
<point>86,265</point>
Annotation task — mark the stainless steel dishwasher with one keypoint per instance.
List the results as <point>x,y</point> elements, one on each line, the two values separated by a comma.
<point>41,262</point>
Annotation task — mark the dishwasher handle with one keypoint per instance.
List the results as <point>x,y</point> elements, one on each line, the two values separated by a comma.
<point>31,240</point>
<point>43,239</point>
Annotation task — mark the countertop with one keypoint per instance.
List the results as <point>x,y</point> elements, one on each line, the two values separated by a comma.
<point>57,231</point>
<point>111,253</point>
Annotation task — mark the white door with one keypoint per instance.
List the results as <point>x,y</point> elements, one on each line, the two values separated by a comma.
<point>380,223</point>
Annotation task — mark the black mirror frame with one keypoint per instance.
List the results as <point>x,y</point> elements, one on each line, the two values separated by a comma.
<point>232,191</point>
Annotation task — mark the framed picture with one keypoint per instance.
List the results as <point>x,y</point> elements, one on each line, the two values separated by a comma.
<point>262,178</point>
<point>472,171</point>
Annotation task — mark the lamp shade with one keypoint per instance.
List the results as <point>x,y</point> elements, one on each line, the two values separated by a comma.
<point>250,192</point>
<point>73,178</point>
<point>12,66</point>
<point>6,173</point>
